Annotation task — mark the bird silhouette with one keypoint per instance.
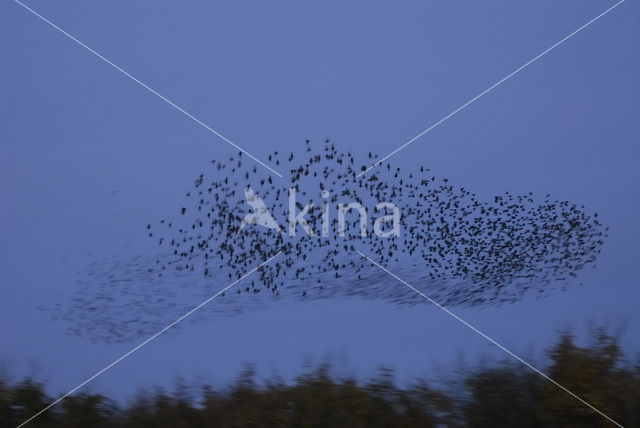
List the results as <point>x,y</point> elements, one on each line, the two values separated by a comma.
<point>451,245</point>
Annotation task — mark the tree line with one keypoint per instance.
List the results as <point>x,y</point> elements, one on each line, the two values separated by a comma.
<point>505,394</point>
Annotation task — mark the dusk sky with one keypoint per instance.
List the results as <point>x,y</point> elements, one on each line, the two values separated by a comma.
<point>88,157</point>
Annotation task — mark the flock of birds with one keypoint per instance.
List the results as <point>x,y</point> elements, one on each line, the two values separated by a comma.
<point>456,248</point>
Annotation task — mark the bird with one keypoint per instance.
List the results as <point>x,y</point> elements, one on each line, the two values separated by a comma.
<point>452,245</point>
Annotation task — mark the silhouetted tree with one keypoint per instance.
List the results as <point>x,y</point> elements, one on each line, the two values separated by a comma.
<point>506,395</point>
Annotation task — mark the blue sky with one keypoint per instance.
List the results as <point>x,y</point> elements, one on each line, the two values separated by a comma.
<point>88,157</point>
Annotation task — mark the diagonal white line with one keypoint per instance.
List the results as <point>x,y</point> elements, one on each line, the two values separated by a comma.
<point>488,338</point>
<point>490,88</point>
<point>162,97</point>
<point>150,339</point>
